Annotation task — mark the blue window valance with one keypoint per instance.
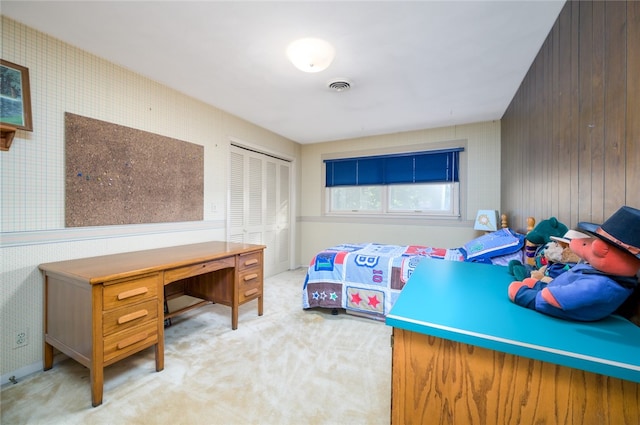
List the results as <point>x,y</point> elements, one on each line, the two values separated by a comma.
<point>438,166</point>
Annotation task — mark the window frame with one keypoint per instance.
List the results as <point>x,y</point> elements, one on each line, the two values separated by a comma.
<point>386,211</point>
<point>459,187</point>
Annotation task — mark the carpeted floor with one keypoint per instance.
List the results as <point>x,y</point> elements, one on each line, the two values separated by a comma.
<point>289,366</point>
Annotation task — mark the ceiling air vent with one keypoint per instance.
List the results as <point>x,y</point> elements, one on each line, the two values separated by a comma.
<point>339,85</point>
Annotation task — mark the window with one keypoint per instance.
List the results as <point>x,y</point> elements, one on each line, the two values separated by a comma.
<point>420,183</point>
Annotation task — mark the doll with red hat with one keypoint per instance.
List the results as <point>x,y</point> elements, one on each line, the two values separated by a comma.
<point>595,288</point>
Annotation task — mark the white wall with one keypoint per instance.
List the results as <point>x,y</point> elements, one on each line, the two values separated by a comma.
<point>482,190</point>
<point>66,79</point>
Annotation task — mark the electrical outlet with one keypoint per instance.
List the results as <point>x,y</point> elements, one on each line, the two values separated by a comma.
<point>21,339</point>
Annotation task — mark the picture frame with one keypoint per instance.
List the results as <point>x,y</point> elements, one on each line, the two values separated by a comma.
<point>15,96</point>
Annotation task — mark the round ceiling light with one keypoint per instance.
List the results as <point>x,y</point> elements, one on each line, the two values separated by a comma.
<point>311,54</point>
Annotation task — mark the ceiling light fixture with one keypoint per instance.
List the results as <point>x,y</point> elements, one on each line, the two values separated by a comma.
<point>311,54</point>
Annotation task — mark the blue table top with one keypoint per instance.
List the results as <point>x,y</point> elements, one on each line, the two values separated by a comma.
<point>468,303</point>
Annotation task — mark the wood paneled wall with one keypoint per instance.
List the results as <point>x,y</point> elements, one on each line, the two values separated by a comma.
<point>570,139</point>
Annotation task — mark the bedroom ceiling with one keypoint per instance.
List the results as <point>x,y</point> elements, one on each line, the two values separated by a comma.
<point>411,65</point>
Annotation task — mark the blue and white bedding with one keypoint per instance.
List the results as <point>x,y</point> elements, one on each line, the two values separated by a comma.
<point>366,279</point>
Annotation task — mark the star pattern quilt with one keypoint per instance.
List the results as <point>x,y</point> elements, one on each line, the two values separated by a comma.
<point>365,279</point>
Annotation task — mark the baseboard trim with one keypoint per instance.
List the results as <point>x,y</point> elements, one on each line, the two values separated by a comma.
<point>20,374</point>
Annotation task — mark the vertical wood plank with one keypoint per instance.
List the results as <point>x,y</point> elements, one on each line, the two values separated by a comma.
<point>597,114</point>
<point>633,106</point>
<point>585,104</point>
<point>535,149</point>
<point>615,101</point>
<point>563,118</point>
<point>577,111</point>
<point>552,146</point>
<point>574,180</point>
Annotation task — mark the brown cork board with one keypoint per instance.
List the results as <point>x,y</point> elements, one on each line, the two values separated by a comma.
<point>120,175</point>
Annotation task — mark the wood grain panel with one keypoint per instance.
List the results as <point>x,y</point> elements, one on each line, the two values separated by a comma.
<point>574,10</point>
<point>197,269</point>
<point>128,317</point>
<point>571,136</point>
<point>120,294</point>
<point>632,194</point>
<point>597,114</point>
<point>563,114</point>
<point>585,110</point>
<point>437,381</point>
<point>62,321</point>
<point>614,106</point>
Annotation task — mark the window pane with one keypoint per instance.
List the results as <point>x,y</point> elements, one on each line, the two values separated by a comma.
<point>421,197</point>
<point>356,198</point>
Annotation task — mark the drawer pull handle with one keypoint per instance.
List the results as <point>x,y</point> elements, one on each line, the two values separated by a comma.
<point>132,316</point>
<point>132,340</point>
<point>250,277</point>
<point>251,262</point>
<point>251,292</point>
<point>132,293</point>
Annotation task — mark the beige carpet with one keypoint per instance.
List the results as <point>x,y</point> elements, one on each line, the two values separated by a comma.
<point>289,366</point>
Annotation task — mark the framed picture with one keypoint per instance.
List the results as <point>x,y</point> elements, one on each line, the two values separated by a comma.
<point>15,96</point>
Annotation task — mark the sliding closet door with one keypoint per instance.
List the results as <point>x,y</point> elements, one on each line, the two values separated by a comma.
<point>259,205</point>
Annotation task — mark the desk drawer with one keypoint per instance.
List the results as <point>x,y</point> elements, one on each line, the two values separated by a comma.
<point>130,341</point>
<point>250,285</point>
<point>197,269</point>
<point>132,291</point>
<point>250,261</point>
<point>133,315</point>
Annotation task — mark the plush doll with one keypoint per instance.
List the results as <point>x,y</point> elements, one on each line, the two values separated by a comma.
<point>594,290</point>
<point>550,259</point>
<point>541,234</point>
<point>555,260</point>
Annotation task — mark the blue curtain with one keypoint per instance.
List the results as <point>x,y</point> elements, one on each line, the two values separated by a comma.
<point>417,167</point>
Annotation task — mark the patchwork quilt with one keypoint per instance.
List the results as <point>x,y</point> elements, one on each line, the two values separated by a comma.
<point>365,278</point>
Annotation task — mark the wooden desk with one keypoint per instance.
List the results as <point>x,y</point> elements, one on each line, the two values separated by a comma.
<point>464,354</point>
<point>100,310</point>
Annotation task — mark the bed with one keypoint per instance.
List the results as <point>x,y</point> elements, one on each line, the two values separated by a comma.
<point>365,279</point>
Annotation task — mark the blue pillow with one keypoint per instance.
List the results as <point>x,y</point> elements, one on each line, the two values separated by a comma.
<point>494,244</point>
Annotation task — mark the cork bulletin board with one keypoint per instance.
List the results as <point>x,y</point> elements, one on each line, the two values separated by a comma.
<point>120,175</point>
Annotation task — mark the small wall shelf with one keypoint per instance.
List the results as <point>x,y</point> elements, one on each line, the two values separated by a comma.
<point>6,136</point>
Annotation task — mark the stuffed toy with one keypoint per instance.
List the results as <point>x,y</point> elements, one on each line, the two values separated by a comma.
<point>550,259</point>
<point>541,234</point>
<point>596,289</point>
<point>555,260</point>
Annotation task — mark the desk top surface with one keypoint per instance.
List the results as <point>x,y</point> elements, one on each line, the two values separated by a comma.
<point>468,303</point>
<point>103,268</point>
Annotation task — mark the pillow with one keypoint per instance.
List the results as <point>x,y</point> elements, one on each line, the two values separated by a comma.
<point>504,260</point>
<point>494,244</point>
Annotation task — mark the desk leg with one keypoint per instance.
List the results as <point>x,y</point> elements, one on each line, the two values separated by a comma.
<point>48,356</point>
<point>96,375</point>
<point>260,305</point>
<point>234,317</point>
<point>159,357</point>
